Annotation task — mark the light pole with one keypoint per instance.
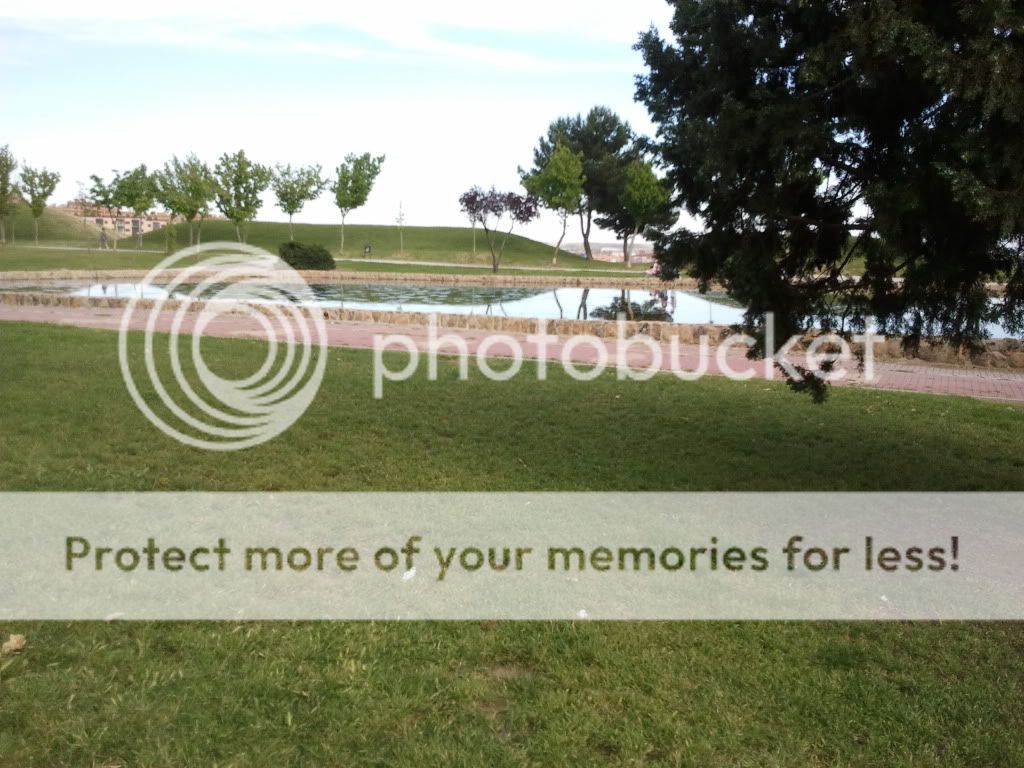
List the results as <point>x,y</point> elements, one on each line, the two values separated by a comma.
<point>400,220</point>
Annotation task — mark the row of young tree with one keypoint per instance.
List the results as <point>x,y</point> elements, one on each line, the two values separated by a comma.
<point>594,168</point>
<point>35,185</point>
<point>187,188</point>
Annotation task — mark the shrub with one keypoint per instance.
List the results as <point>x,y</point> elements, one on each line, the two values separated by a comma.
<point>304,256</point>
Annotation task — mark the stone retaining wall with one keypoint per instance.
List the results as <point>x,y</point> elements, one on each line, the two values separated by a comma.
<point>996,353</point>
<point>505,280</point>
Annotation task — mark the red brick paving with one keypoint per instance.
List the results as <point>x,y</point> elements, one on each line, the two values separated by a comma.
<point>891,375</point>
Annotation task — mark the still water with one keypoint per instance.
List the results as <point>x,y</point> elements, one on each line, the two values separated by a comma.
<point>544,303</point>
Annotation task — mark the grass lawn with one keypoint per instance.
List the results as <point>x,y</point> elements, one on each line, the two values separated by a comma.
<point>467,694</point>
<point>445,244</point>
<point>55,228</point>
<point>18,258</point>
<point>611,271</point>
<point>31,258</point>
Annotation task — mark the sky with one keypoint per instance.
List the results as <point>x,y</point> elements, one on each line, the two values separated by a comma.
<point>454,93</point>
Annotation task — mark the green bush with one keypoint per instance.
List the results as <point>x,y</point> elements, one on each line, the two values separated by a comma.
<point>304,256</point>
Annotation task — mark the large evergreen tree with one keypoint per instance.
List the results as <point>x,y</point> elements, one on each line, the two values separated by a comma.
<point>810,137</point>
<point>605,142</point>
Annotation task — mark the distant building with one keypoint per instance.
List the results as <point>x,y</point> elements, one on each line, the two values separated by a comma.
<point>122,226</point>
<point>641,253</point>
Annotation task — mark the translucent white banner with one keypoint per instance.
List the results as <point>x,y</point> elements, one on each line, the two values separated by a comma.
<point>511,556</point>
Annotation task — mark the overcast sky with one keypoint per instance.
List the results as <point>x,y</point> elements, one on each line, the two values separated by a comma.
<point>454,93</point>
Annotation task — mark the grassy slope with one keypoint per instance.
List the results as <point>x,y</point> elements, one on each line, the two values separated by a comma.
<point>448,244</point>
<point>55,228</point>
<point>438,244</point>
<point>30,258</point>
<point>499,693</point>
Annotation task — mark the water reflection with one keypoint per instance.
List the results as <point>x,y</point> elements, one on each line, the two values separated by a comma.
<point>545,303</point>
<point>654,308</point>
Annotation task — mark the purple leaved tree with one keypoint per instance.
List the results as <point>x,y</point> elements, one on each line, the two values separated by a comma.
<point>493,209</point>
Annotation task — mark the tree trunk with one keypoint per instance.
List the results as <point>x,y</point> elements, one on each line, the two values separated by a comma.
<point>490,245</point>
<point>581,311</point>
<point>291,234</point>
<point>35,228</point>
<point>496,260</point>
<point>191,239</point>
<point>342,252</point>
<point>474,237</point>
<point>627,246</point>
<point>401,241</point>
<point>585,231</point>
<point>3,231</point>
<point>558,245</point>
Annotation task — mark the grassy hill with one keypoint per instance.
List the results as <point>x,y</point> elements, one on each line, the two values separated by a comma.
<point>55,228</point>
<point>60,231</point>
<point>449,244</point>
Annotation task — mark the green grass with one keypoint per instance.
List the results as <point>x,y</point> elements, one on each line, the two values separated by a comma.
<point>65,243</point>
<point>17,258</point>
<point>30,258</point>
<point>55,228</point>
<point>467,694</point>
<point>356,265</point>
<point>445,244</point>
<point>68,423</point>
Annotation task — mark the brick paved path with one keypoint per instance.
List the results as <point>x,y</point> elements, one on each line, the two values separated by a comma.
<point>894,375</point>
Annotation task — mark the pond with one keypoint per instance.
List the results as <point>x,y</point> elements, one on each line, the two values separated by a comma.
<point>545,303</point>
<point>672,306</point>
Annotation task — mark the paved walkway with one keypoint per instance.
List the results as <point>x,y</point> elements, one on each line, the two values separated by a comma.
<point>904,375</point>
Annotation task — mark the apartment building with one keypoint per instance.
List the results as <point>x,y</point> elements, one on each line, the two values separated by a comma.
<point>121,225</point>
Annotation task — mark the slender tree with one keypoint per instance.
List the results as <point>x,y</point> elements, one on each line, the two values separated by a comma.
<point>137,190</point>
<point>644,201</point>
<point>105,197</point>
<point>559,186</point>
<point>492,209</point>
<point>8,189</point>
<point>239,184</point>
<point>294,187</point>
<point>353,183</point>
<point>38,185</point>
<point>185,188</point>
